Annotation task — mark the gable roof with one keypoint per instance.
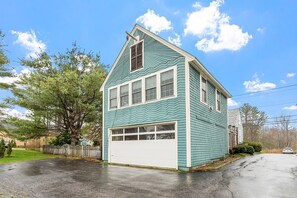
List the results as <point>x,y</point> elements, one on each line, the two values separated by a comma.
<point>193,60</point>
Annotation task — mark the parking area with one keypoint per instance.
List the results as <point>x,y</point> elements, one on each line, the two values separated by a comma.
<point>266,175</point>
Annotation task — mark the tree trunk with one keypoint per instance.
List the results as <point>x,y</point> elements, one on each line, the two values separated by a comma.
<point>74,137</point>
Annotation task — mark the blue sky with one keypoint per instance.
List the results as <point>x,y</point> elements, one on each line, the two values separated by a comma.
<point>248,45</point>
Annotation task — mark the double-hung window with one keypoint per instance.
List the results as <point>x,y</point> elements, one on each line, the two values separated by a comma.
<point>167,84</point>
<point>203,90</point>
<point>150,88</point>
<point>136,54</point>
<point>218,100</point>
<point>113,101</point>
<point>136,92</point>
<point>124,95</point>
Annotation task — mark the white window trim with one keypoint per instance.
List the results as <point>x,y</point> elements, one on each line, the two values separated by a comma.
<point>135,43</point>
<point>220,100</point>
<point>109,99</point>
<point>128,94</point>
<point>143,89</point>
<point>174,84</point>
<point>131,95</point>
<point>157,85</point>
<point>144,133</point>
<point>201,100</point>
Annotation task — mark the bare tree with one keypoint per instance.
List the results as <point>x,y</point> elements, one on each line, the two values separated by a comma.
<point>283,124</point>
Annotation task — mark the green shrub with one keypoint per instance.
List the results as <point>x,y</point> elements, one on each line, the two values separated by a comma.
<point>2,148</point>
<point>241,148</point>
<point>61,139</point>
<point>10,145</point>
<point>256,145</point>
<point>249,149</point>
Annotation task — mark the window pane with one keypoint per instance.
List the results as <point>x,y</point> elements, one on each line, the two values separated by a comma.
<point>150,82</point>
<point>218,101</point>
<point>113,93</point>
<point>133,51</point>
<point>167,77</point>
<point>124,93</point>
<point>113,103</point>
<point>136,92</point>
<point>124,101</point>
<point>167,84</point>
<point>136,98</point>
<point>165,136</point>
<point>147,129</point>
<point>147,137</point>
<point>117,138</point>
<point>166,127</point>
<point>133,64</point>
<point>167,90</point>
<point>124,90</point>
<point>131,137</point>
<point>117,131</point>
<point>151,94</point>
<point>131,130</point>
<point>139,48</point>
<point>139,61</point>
<point>204,96</point>
<point>136,86</point>
<point>203,83</point>
<point>136,56</point>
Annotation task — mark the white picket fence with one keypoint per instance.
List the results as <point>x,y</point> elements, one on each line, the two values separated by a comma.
<point>75,151</point>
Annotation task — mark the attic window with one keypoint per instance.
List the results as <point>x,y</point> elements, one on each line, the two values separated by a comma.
<point>136,56</point>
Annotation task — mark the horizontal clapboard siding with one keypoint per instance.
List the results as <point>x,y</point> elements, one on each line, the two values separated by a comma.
<point>156,57</point>
<point>208,127</point>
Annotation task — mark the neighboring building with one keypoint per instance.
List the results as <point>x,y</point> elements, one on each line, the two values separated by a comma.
<point>235,127</point>
<point>162,107</point>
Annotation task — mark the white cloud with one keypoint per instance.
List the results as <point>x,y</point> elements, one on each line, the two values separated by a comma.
<point>214,30</point>
<point>292,107</point>
<point>291,75</point>
<point>16,76</point>
<point>232,103</point>
<point>154,22</point>
<point>16,113</point>
<point>176,41</point>
<point>256,85</point>
<point>283,81</point>
<point>261,30</point>
<point>29,41</point>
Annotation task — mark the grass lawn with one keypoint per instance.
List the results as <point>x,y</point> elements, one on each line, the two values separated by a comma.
<point>25,155</point>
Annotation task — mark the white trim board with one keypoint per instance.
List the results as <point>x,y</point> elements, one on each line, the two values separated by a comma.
<point>188,113</point>
<point>143,102</point>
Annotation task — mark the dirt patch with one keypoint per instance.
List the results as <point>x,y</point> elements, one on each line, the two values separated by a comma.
<point>215,165</point>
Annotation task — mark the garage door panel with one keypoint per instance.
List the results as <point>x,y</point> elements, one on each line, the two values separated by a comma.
<point>159,153</point>
<point>145,145</point>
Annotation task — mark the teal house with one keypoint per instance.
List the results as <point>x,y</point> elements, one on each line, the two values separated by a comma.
<point>162,107</point>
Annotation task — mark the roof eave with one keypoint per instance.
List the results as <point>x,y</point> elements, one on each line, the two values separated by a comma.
<point>208,75</point>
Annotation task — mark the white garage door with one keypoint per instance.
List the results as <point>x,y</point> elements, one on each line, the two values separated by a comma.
<point>150,145</point>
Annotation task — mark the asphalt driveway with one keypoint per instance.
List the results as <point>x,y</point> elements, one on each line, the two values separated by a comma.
<point>266,175</point>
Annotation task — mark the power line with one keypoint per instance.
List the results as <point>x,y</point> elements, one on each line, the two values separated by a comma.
<point>278,122</point>
<point>279,104</point>
<point>269,119</point>
<point>264,91</point>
